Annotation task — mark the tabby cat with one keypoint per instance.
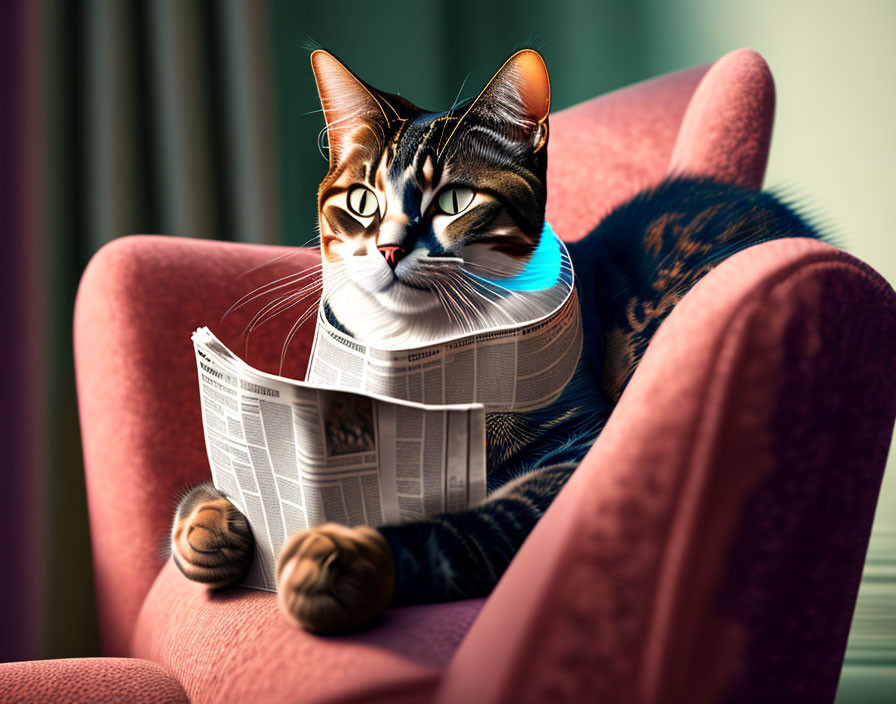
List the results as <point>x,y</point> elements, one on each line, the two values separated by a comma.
<point>421,214</point>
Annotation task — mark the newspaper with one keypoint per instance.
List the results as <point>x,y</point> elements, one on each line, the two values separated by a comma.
<point>512,369</point>
<point>291,455</point>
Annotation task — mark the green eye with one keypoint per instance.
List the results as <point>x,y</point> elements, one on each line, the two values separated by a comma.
<point>455,200</point>
<point>361,201</point>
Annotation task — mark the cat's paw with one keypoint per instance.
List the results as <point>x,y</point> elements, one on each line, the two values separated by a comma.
<point>212,542</point>
<point>333,579</point>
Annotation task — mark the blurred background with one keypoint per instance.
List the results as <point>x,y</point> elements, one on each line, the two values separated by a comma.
<point>200,119</point>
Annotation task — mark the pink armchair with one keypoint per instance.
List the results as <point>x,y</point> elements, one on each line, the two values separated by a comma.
<point>709,548</point>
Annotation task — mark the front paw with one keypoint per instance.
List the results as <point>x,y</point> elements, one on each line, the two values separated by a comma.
<point>213,543</point>
<point>332,578</point>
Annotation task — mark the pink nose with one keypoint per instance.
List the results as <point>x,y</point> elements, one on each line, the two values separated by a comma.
<point>392,254</point>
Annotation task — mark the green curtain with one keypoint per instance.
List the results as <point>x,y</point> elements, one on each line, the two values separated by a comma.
<point>160,120</point>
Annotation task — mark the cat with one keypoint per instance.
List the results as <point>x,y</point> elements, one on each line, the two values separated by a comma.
<point>422,215</point>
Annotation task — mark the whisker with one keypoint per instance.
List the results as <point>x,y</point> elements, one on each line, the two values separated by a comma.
<point>461,298</point>
<point>292,333</point>
<point>500,309</point>
<point>286,302</point>
<point>442,296</point>
<point>313,270</point>
<point>298,295</point>
<point>302,319</point>
<point>451,112</point>
<point>266,315</point>
<point>564,267</point>
<point>270,262</point>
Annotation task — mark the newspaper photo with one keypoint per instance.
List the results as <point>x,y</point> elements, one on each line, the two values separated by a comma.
<point>291,455</point>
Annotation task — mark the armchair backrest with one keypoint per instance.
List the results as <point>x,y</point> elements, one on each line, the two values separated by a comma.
<point>713,121</point>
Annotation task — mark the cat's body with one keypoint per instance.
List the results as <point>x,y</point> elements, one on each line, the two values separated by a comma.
<point>630,272</point>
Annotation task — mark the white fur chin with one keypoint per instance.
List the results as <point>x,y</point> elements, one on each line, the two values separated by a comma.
<point>369,320</point>
<point>403,299</point>
<point>405,317</point>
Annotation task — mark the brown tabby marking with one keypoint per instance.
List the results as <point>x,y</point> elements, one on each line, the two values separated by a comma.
<point>626,347</point>
<point>213,543</point>
<point>333,579</point>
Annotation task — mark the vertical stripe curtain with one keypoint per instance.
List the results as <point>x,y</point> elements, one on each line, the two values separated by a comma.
<point>179,123</point>
<point>155,117</point>
<point>22,302</point>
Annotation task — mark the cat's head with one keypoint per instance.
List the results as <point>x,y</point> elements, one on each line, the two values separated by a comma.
<point>424,214</point>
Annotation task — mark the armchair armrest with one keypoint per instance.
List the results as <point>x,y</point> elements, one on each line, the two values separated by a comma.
<point>711,544</point>
<point>139,300</point>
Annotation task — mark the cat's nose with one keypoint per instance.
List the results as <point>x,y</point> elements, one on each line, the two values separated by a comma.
<point>392,254</point>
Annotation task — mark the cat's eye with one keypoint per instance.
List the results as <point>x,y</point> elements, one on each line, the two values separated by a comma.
<point>361,201</point>
<point>455,200</point>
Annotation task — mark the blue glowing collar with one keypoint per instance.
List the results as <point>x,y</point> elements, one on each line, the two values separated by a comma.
<point>543,269</point>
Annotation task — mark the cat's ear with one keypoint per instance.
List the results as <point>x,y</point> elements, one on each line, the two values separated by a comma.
<point>351,109</point>
<point>518,95</point>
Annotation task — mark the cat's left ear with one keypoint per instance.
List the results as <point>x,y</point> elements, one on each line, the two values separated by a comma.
<point>519,95</point>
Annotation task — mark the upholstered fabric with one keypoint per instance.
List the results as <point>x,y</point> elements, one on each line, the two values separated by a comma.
<point>605,150</point>
<point>709,546</point>
<point>727,128</point>
<point>88,681</point>
<point>237,646</point>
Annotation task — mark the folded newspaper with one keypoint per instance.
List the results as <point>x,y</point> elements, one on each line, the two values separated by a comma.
<point>292,454</point>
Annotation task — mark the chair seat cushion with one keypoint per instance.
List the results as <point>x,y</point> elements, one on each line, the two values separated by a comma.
<point>235,645</point>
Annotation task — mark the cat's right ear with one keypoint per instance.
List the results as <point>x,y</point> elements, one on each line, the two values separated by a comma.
<point>353,113</point>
